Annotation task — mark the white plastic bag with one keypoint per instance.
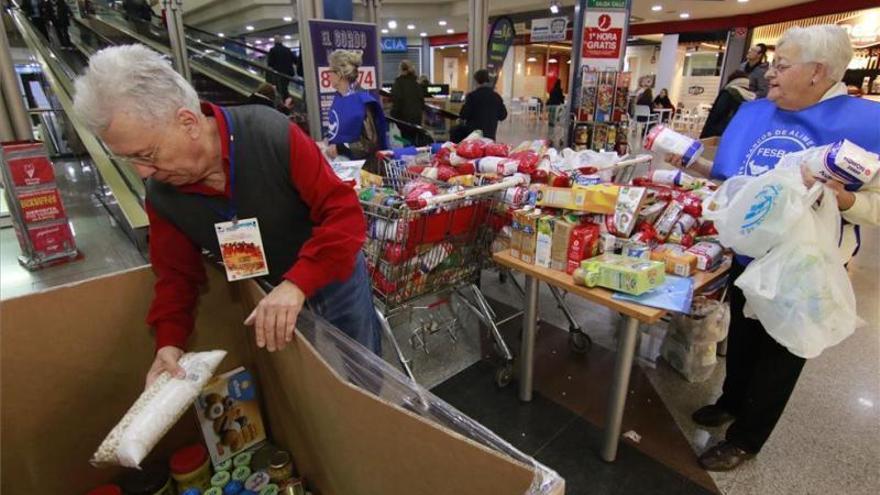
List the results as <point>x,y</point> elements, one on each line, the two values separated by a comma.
<point>800,290</point>
<point>156,410</point>
<point>755,214</point>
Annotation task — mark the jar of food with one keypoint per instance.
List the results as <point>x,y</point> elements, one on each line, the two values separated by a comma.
<point>280,467</point>
<point>224,466</point>
<point>270,489</point>
<point>243,459</point>
<point>214,490</point>
<point>233,488</point>
<point>220,479</point>
<point>106,490</point>
<point>241,473</point>
<point>191,468</point>
<point>152,480</point>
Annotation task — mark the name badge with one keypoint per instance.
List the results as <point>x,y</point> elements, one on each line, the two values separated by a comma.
<point>242,249</point>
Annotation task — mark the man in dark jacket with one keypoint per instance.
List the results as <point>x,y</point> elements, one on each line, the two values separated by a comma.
<point>734,94</point>
<point>756,67</point>
<point>483,108</point>
<point>407,100</point>
<point>280,60</point>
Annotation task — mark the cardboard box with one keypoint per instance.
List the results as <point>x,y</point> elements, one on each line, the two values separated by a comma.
<point>559,249</point>
<point>63,390</point>
<point>529,236</point>
<point>631,275</point>
<point>229,414</point>
<point>598,198</point>
<point>544,241</point>
<point>583,244</point>
<point>516,232</point>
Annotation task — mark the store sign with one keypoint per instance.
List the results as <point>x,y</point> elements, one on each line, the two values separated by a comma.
<point>549,29</point>
<point>38,215</point>
<point>606,4</point>
<point>603,40</point>
<point>329,36</point>
<point>500,40</point>
<point>393,44</point>
<point>863,29</point>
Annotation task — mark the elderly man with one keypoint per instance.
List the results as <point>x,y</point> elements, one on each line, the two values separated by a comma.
<point>241,177</point>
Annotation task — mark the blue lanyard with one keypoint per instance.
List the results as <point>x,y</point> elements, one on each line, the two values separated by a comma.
<point>231,212</point>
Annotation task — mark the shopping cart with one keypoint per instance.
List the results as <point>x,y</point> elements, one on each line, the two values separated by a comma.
<point>428,247</point>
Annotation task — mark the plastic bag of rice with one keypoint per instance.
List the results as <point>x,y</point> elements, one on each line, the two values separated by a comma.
<point>156,411</point>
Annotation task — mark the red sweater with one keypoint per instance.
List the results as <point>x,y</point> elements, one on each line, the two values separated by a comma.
<point>329,255</point>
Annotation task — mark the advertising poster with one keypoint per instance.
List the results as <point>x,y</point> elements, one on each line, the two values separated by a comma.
<point>500,40</point>
<point>328,36</point>
<point>548,29</point>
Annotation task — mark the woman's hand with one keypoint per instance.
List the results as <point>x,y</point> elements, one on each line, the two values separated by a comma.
<point>845,199</point>
<point>331,151</point>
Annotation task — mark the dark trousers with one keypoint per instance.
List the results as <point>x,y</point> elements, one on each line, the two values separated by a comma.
<point>63,35</point>
<point>761,374</point>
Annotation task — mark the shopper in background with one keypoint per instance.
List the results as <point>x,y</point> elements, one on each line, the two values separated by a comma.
<point>206,164</point>
<point>756,67</point>
<point>483,108</point>
<point>61,21</point>
<point>555,110</point>
<point>280,60</point>
<point>407,100</point>
<point>264,95</point>
<point>807,106</point>
<point>734,94</point>
<point>662,101</point>
<point>37,13</point>
<point>357,122</point>
<point>646,97</point>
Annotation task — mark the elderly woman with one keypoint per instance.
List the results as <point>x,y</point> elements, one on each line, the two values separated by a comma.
<point>806,106</point>
<point>357,127</point>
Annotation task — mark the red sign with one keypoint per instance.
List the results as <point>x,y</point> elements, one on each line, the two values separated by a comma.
<point>51,239</point>
<point>602,44</point>
<point>31,170</point>
<point>41,206</point>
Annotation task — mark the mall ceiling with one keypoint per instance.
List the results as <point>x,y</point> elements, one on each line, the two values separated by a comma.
<point>438,17</point>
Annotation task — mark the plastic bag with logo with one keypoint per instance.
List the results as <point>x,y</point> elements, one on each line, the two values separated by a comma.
<point>755,214</point>
<point>800,290</point>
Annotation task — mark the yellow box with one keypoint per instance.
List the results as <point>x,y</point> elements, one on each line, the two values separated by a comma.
<point>624,274</point>
<point>598,198</point>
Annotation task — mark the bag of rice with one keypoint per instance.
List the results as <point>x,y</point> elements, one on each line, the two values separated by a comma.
<point>156,411</point>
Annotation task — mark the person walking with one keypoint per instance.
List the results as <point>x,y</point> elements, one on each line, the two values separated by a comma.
<point>407,101</point>
<point>734,94</point>
<point>483,108</point>
<point>756,66</point>
<point>61,21</point>
<point>280,60</point>
<point>555,111</point>
<point>35,11</point>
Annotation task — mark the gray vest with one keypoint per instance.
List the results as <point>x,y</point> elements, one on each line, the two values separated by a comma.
<point>263,189</point>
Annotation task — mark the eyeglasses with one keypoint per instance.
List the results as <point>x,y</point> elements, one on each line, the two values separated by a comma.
<point>148,159</point>
<point>781,68</point>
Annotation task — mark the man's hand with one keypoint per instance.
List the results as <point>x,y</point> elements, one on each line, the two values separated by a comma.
<point>166,360</point>
<point>275,316</point>
<point>331,151</point>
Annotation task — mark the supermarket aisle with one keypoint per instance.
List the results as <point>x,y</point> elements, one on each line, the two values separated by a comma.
<point>103,245</point>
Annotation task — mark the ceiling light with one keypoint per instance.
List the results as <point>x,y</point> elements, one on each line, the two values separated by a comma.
<point>463,51</point>
<point>461,46</point>
<point>384,31</point>
<point>450,31</point>
<point>220,35</point>
<point>568,62</point>
<point>392,24</point>
<point>287,37</point>
<point>657,8</point>
<point>288,19</point>
<point>684,15</point>
<point>442,23</point>
<point>552,61</point>
<point>423,34</point>
<point>531,59</point>
<point>249,28</point>
<point>742,1</point>
<point>410,26</point>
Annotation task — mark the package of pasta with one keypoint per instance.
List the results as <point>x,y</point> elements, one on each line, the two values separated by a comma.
<point>156,411</point>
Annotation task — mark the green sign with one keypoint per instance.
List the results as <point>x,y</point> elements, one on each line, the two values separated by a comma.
<point>606,4</point>
<point>500,39</point>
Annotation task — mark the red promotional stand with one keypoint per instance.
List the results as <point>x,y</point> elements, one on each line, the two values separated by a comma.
<point>40,222</point>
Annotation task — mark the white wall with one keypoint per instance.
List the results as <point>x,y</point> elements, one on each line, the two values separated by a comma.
<point>710,90</point>
<point>638,61</point>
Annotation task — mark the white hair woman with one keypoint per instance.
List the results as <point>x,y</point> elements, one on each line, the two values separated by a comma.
<point>806,106</point>
<point>357,128</point>
<point>206,166</point>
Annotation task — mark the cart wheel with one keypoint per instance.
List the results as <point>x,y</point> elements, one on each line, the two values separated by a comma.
<point>504,375</point>
<point>579,342</point>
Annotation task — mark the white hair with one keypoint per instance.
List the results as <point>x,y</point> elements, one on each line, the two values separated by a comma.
<point>132,79</point>
<point>827,44</point>
<point>346,62</point>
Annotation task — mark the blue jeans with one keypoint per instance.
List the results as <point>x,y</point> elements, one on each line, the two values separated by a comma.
<point>348,305</point>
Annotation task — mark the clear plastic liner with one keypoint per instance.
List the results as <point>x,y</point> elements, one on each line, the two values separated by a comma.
<point>371,373</point>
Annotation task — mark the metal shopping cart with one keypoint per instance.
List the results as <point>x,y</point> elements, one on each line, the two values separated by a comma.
<point>428,247</point>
